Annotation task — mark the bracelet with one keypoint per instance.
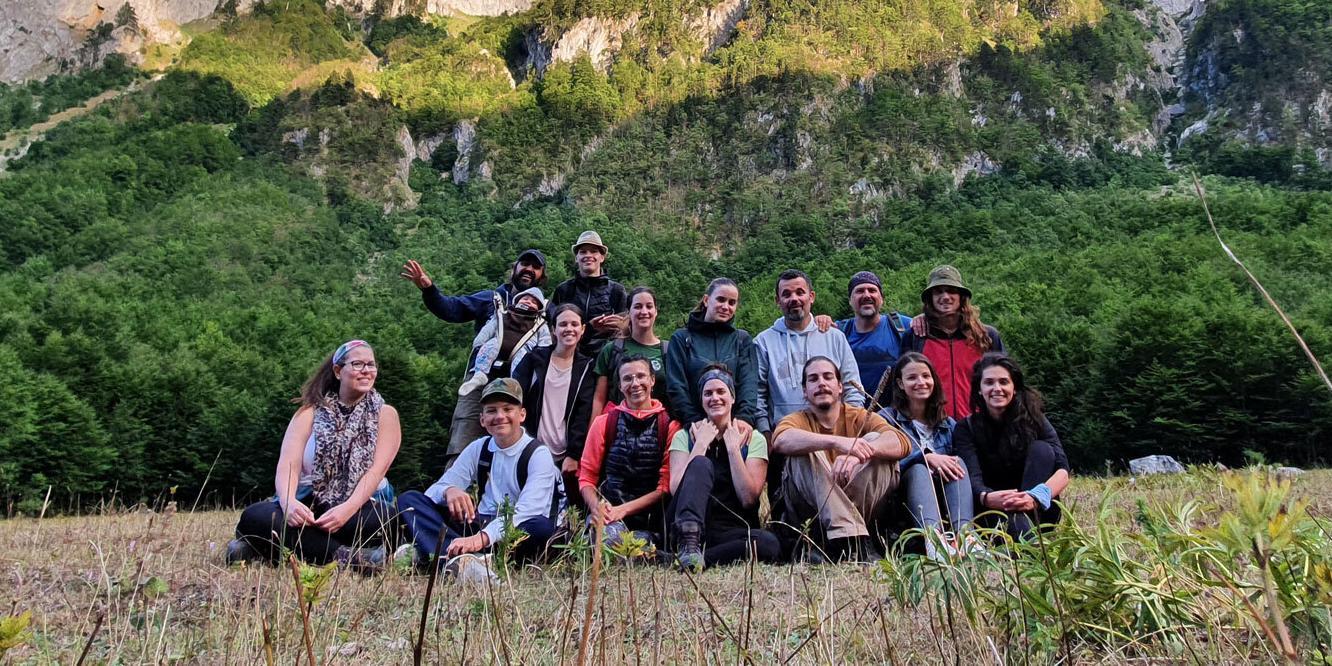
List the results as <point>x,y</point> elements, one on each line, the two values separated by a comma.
<point>982,497</point>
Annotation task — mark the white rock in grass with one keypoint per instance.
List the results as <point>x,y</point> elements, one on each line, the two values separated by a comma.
<point>1288,473</point>
<point>1155,465</point>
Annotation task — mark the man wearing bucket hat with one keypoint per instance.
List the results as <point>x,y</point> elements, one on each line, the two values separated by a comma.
<point>506,465</point>
<point>955,338</point>
<point>527,272</point>
<point>603,301</point>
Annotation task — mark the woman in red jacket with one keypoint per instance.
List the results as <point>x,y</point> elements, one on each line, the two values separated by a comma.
<point>955,339</point>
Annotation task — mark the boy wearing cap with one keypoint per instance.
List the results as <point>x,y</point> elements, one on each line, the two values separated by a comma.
<point>528,271</point>
<point>604,301</point>
<point>508,466</point>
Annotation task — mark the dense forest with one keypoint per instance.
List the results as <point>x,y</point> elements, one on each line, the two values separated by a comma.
<point>174,264</point>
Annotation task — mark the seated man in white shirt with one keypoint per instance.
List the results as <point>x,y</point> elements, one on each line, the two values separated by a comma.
<point>505,465</point>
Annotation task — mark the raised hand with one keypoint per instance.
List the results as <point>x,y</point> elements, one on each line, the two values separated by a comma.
<point>704,434</point>
<point>413,272</point>
<point>737,435</point>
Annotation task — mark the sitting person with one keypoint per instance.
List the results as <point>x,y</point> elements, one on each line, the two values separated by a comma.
<point>717,470</point>
<point>841,463</point>
<point>521,327</point>
<point>506,465</point>
<point>332,500</point>
<point>1014,458</point>
<point>934,480</point>
<point>624,472</point>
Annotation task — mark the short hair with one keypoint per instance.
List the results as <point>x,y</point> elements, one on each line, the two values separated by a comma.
<point>632,358</point>
<point>791,274</point>
<point>804,371</point>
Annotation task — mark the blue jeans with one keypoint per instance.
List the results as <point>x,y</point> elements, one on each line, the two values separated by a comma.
<point>929,503</point>
<point>423,520</point>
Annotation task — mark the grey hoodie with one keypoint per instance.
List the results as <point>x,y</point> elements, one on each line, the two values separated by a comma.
<point>782,354</point>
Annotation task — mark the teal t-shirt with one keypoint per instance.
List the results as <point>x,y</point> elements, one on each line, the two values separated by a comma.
<point>653,354</point>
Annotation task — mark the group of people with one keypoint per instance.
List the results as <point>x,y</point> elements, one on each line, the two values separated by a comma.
<point>852,427</point>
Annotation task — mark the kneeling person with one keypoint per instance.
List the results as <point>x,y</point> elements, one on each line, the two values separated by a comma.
<point>507,465</point>
<point>624,473</point>
<point>841,467</point>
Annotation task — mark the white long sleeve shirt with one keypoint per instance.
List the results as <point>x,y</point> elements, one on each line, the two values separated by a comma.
<point>533,501</point>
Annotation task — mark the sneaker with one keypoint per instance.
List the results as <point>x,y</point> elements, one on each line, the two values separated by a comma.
<point>364,561</point>
<point>472,569</point>
<point>240,550</point>
<point>477,380</point>
<point>690,557</point>
<point>406,558</point>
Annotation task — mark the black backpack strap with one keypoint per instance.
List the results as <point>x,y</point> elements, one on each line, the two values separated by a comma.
<point>483,468</point>
<point>523,459</point>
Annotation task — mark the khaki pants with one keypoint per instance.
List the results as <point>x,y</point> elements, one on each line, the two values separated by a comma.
<point>466,424</point>
<point>842,512</point>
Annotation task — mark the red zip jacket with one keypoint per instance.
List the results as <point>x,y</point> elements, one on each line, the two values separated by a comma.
<point>953,360</point>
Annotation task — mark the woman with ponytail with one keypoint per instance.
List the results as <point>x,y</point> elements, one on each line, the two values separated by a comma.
<point>709,337</point>
<point>332,500</point>
<point>1013,455</point>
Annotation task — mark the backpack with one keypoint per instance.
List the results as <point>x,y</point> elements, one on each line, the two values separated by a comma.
<point>488,456</point>
<point>612,424</point>
<point>894,325</point>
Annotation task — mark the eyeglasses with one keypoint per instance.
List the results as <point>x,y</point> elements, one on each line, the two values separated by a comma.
<point>362,366</point>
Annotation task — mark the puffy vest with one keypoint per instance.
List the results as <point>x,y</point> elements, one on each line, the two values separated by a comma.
<point>632,465</point>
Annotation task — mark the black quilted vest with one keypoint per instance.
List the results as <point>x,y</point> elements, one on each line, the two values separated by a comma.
<point>633,459</point>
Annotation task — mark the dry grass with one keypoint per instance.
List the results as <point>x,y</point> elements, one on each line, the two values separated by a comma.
<point>158,581</point>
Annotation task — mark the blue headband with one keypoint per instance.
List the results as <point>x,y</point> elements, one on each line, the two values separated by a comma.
<point>718,374</point>
<point>347,346</point>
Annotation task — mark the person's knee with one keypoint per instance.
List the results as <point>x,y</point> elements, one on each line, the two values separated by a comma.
<point>700,465</point>
<point>259,518</point>
<point>767,548</point>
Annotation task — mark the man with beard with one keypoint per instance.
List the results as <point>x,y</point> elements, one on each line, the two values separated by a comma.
<point>783,350</point>
<point>604,302</point>
<point>841,467</point>
<point>527,272</point>
<point>876,338</point>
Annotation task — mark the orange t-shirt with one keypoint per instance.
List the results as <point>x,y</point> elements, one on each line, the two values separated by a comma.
<point>852,424</point>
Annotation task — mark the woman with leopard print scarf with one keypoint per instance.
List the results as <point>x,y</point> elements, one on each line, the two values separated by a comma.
<point>332,501</point>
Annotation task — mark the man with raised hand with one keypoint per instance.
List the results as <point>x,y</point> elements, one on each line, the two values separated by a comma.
<point>841,467</point>
<point>783,350</point>
<point>508,467</point>
<point>604,302</point>
<point>528,271</point>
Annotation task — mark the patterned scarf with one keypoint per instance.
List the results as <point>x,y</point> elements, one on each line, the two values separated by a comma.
<point>344,446</point>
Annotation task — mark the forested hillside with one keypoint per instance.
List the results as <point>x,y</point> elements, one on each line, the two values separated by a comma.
<point>174,264</point>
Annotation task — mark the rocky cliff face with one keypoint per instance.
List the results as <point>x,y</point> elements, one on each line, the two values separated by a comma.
<point>41,37</point>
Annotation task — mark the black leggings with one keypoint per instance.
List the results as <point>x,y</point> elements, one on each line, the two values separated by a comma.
<point>726,539</point>
<point>261,520</point>
<point>1039,467</point>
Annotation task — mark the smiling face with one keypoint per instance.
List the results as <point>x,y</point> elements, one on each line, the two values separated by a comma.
<point>916,381</point>
<point>568,330</point>
<point>526,274</point>
<point>357,373</point>
<point>717,400</point>
<point>643,312</point>
<point>946,300</point>
<point>636,382</point>
<point>503,420</point>
<point>722,303</point>
<point>823,389</point>
<point>589,259</point>
<point>530,302</point>
<point>795,297</point>
<point>866,300</point>
<point>996,389</point>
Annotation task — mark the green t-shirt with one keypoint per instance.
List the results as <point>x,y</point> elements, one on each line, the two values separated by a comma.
<point>603,367</point>
<point>758,446</point>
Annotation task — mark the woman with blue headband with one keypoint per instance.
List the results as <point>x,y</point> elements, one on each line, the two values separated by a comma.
<point>332,500</point>
<point>717,466</point>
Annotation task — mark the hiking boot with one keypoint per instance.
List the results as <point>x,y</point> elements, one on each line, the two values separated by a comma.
<point>240,550</point>
<point>364,561</point>
<point>690,557</point>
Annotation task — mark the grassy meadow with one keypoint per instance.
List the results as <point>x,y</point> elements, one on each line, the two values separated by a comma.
<point>1206,567</point>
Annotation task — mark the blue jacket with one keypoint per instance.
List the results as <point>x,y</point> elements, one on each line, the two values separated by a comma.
<point>943,436</point>
<point>477,308</point>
